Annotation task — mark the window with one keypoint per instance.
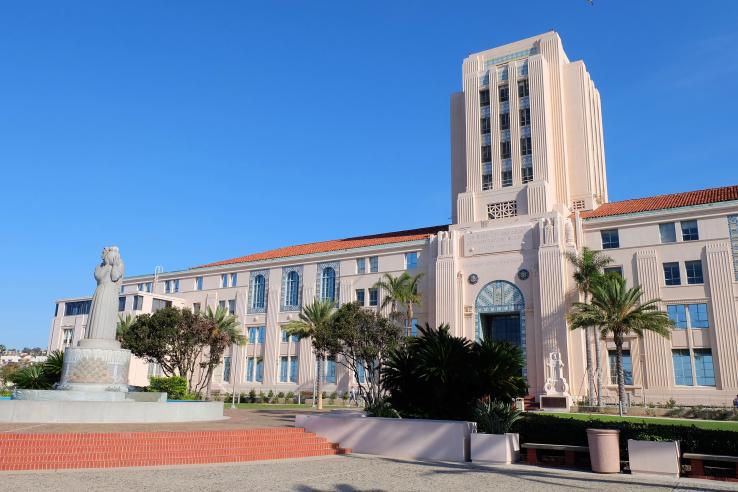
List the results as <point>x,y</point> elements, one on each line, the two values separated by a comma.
<point>285,336</point>
<point>224,280</point>
<point>414,328</point>
<point>523,90</point>
<point>56,307</point>
<point>525,117</point>
<point>234,279</point>
<point>262,333</point>
<point>252,334</point>
<point>176,285</point>
<point>328,284</point>
<point>484,124</point>
<point>487,181</point>
<point>614,270</point>
<point>67,336</point>
<point>694,272</point>
<point>198,283</point>
<point>171,286</point>
<point>138,303</point>
<point>330,371</point>
<point>292,290</point>
<point>627,367</point>
<point>360,293</point>
<point>122,303</point>
<point>221,304</point>
<point>484,98</point>
<point>526,146</point>
<point>196,307</point>
<point>698,316</point>
<point>231,306</point>
<point>678,315</point>
<point>293,369</point>
<point>671,274</point>
<point>703,367</point>
<point>411,260</point>
<point>258,292</point>
<point>689,230</point>
<point>527,174</point>
<point>610,239</point>
<point>153,370</point>
<point>157,304</point>
<point>505,152</point>
<point>145,287</point>
<point>361,265</point>
<point>77,308</point>
<point>259,370</point>
<point>505,121</point>
<point>502,210</point>
<point>250,369</point>
<point>283,368</point>
<point>667,232</point>
<point>486,153</point>
<point>682,367</point>
<point>507,172</point>
<point>226,369</point>
<point>361,373</point>
<point>373,264</point>
<point>504,93</point>
<point>373,297</point>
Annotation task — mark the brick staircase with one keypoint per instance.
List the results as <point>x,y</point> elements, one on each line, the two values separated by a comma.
<point>120,449</point>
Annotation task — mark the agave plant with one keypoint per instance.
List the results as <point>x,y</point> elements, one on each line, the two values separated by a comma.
<point>31,377</point>
<point>495,417</point>
<point>53,366</point>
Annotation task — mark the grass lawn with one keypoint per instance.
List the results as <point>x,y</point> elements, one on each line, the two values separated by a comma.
<point>702,424</point>
<point>279,406</point>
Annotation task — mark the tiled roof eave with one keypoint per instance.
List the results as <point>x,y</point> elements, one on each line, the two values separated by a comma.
<point>660,211</point>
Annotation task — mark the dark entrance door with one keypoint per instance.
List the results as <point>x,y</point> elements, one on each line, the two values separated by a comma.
<point>501,327</point>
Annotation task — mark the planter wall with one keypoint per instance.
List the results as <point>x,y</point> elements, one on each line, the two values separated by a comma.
<point>444,440</point>
<point>654,458</point>
<point>495,448</point>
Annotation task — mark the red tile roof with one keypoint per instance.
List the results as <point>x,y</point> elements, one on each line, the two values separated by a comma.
<point>335,245</point>
<point>660,202</point>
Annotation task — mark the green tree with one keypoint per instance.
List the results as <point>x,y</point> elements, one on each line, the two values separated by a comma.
<point>226,332</point>
<point>2,349</point>
<point>588,269</point>
<point>314,323</point>
<point>400,291</point>
<point>618,311</point>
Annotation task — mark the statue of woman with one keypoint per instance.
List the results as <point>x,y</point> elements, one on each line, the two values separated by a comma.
<point>103,320</point>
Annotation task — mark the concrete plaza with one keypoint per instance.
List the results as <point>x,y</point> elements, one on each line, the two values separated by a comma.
<point>345,473</point>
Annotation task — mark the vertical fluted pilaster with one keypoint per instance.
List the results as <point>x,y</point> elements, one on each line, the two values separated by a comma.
<point>724,318</point>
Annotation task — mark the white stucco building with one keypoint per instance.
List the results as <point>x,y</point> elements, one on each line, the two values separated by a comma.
<point>528,185</point>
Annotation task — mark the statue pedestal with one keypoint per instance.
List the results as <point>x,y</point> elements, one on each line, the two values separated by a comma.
<point>93,368</point>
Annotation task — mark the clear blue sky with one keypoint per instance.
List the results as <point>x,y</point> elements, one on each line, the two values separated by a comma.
<point>192,131</point>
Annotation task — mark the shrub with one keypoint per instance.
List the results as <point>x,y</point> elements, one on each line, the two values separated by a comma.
<point>252,395</point>
<point>175,387</point>
<point>53,366</point>
<point>260,397</point>
<point>324,395</point>
<point>280,395</point>
<point>382,408</point>
<point>345,396</point>
<point>270,397</point>
<point>31,377</point>
<point>333,396</point>
<point>290,396</point>
<point>494,417</point>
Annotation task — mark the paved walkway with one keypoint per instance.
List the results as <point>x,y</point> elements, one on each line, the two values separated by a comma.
<point>345,473</point>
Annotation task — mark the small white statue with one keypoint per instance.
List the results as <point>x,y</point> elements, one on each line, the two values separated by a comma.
<point>556,382</point>
<point>103,319</point>
<point>569,231</point>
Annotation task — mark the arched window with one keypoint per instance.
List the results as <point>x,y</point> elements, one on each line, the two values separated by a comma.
<point>328,284</point>
<point>258,295</point>
<point>292,290</point>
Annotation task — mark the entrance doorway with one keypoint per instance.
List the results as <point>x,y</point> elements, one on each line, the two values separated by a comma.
<point>502,327</point>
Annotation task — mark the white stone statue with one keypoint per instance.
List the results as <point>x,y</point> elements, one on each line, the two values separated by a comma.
<point>549,234</point>
<point>569,231</point>
<point>103,319</point>
<point>556,382</point>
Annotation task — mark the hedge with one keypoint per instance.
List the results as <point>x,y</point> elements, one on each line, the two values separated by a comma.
<point>557,430</point>
<point>175,387</point>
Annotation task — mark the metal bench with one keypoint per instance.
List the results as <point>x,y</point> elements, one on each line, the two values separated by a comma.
<point>569,452</point>
<point>697,462</point>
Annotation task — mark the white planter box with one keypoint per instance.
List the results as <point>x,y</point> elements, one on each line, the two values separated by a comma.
<point>495,448</point>
<point>654,458</point>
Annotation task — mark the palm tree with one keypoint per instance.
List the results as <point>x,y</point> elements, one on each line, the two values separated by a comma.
<point>589,265</point>
<point>226,326</point>
<point>618,311</point>
<point>124,324</point>
<point>313,321</point>
<point>402,290</point>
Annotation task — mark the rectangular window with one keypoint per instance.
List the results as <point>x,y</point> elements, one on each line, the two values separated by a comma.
<point>373,264</point>
<point>226,369</point>
<point>259,370</point>
<point>360,293</point>
<point>221,304</point>
<point>196,307</point>
<point>138,303</point>
<point>627,367</point>
<point>77,308</point>
<point>361,265</point>
<point>198,283</point>
<point>682,367</point>
<point>414,328</point>
<point>484,98</point>
<point>671,274</point>
<point>176,285</point>
<point>526,174</point>
<point>694,272</point>
<point>234,279</point>
<point>224,280</point>
<point>507,173</point>
<point>505,121</point>
<point>698,316</point>
<point>526,146</point>
<point>252,334</point>
<point>330,371</point>
<point>361,372</point>
<point>122,303</point>
<point>667,232</point>
<point>486,181</point>
<point>411,260</point>
<point>484,124</point>
<point>373,297</point>
<point>689,230</point>
<point>505,152</point>
<point>504,93</point>
<point>678,315</point>
<point>614,269</point>
<point>486,153</point>
<point>231,306</point>
<point>293,369</point>
<point>285,336</point>
<point>523,88</point>
<point>262,334</point>
<point>525,117</point>
<point>703,367</point>
<point>250,369</point>
<point>283,368</point>
<point>68,336</point>
<point>167,286</point>
<point>157,304</point>
<point>610,239</point>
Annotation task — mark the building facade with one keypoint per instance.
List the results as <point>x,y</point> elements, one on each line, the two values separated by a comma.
<point>528,186</point>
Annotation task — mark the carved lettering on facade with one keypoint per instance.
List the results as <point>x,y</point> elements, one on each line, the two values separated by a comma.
<point>496,241</point>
